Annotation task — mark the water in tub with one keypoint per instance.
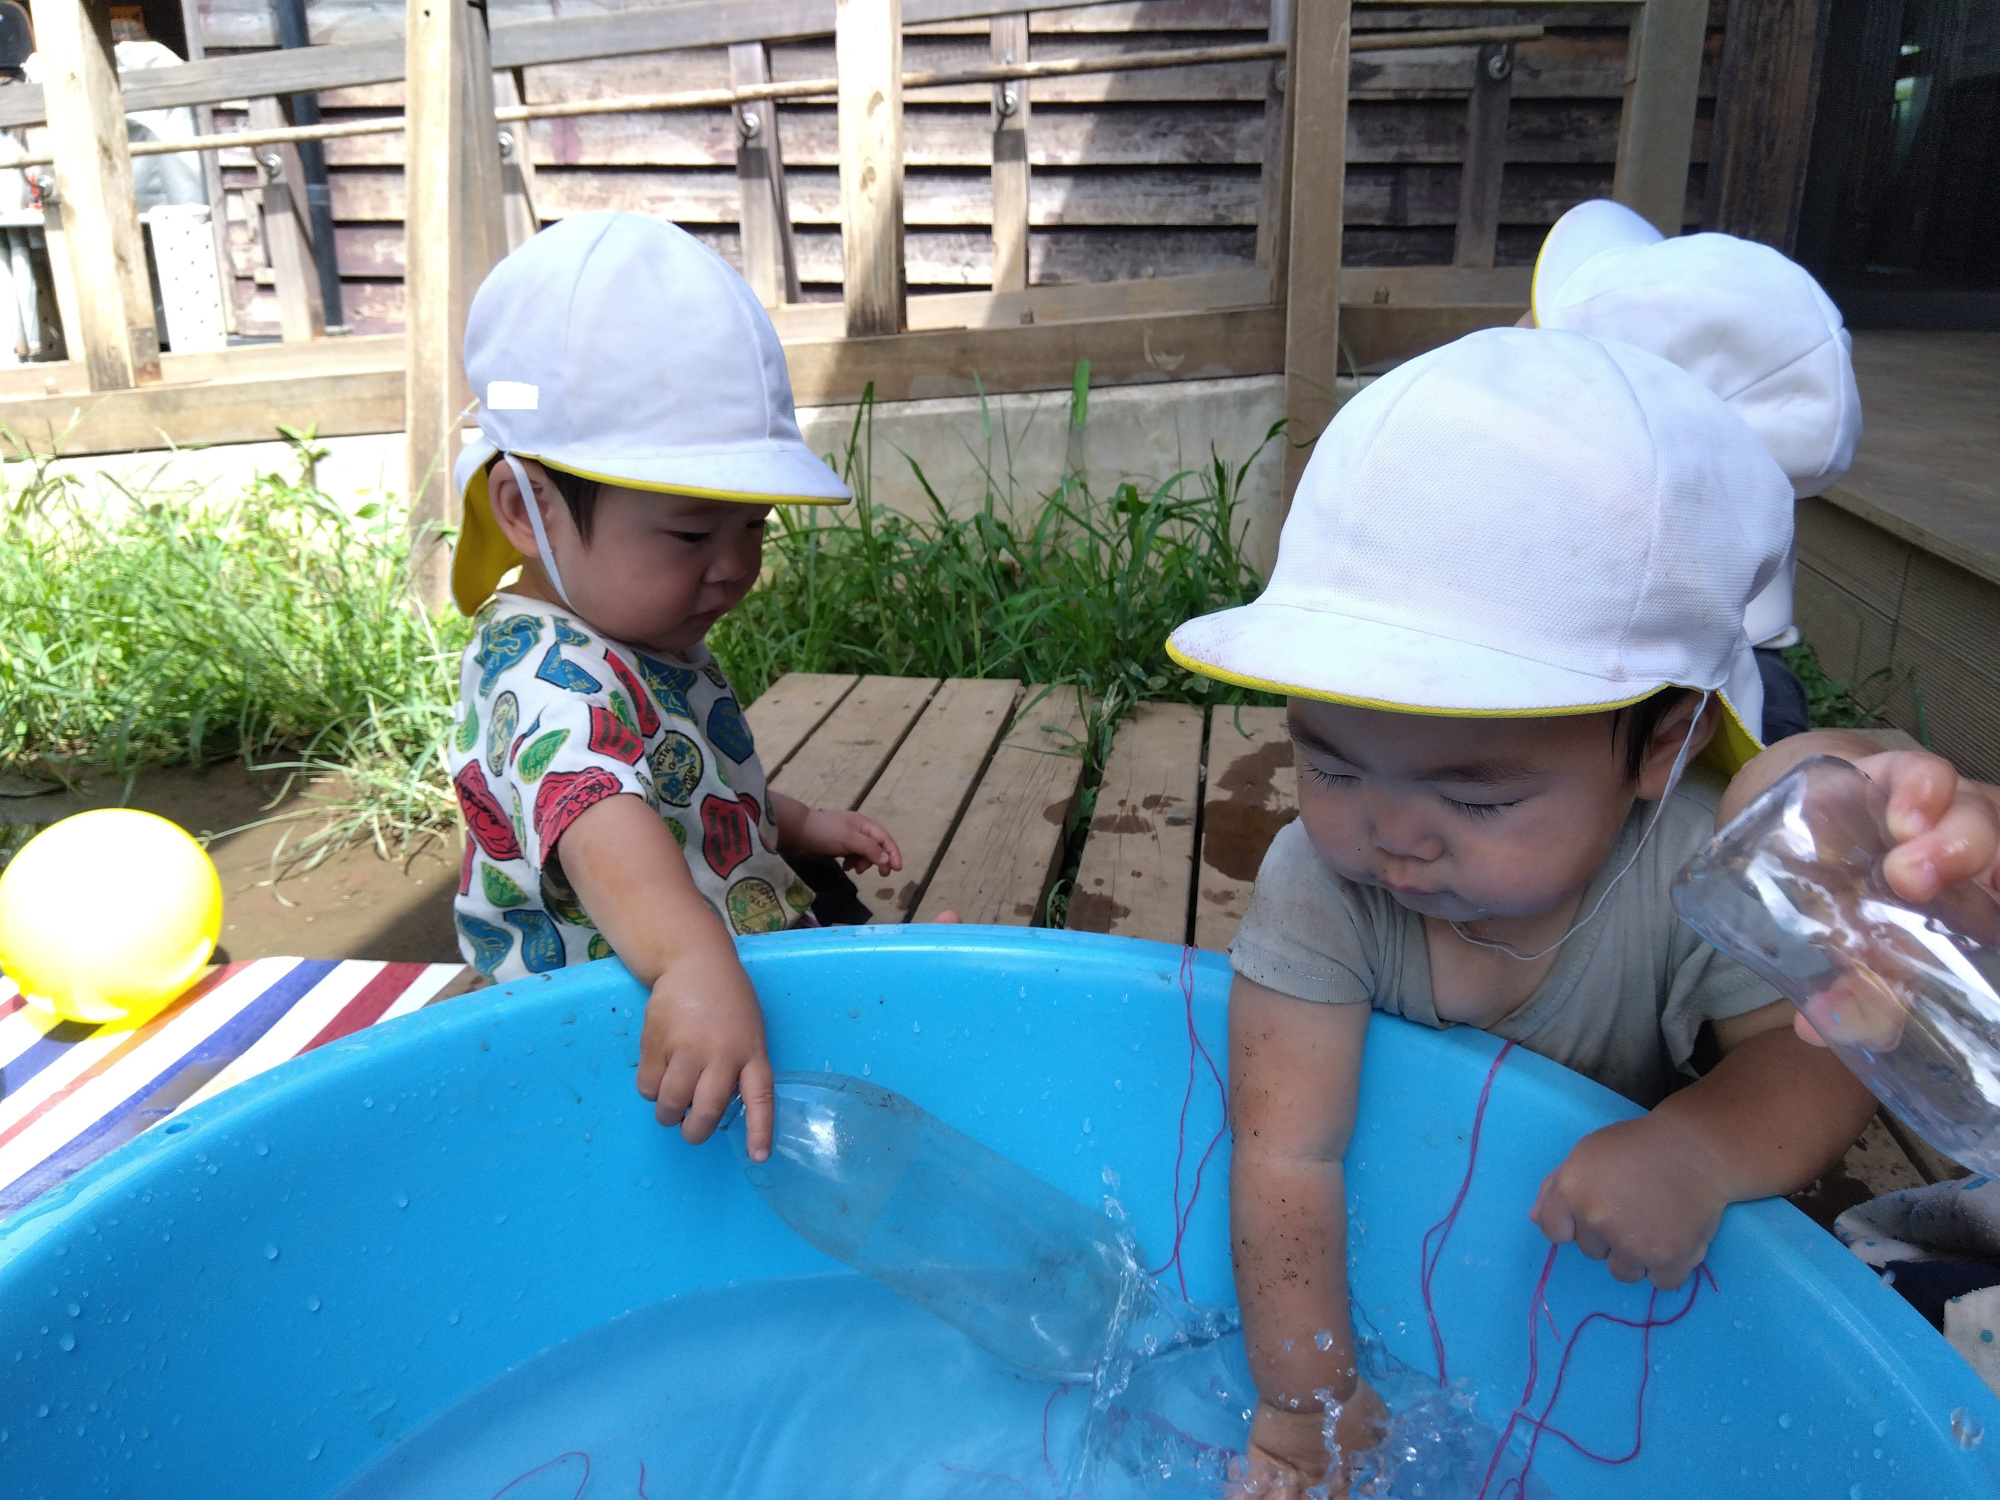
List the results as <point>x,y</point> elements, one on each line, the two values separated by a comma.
<point>994,1338</point>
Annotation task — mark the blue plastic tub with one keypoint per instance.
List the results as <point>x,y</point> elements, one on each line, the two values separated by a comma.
<point>264,1296</point>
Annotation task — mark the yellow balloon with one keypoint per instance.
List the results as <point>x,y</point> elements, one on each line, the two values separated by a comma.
<point>108,916</point>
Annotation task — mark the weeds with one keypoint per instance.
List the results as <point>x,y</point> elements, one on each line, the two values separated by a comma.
<point>1836,702</point>
<point>274,628</point>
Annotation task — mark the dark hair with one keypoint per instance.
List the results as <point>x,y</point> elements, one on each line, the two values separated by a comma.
<point>1639,722</point>
<point>578,493</point>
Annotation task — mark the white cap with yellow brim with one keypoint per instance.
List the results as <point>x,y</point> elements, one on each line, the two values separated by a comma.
<point>1751,325</point>
<point>1523,523</point>
<point>618,347</point>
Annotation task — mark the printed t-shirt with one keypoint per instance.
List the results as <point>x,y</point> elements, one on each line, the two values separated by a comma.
<point>1622,1005</point>
<point>554,718</point>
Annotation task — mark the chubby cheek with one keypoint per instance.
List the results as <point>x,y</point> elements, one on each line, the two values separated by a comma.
<point>1336,826</point>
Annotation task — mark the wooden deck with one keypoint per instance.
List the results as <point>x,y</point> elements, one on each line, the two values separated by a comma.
<point>977,781</point>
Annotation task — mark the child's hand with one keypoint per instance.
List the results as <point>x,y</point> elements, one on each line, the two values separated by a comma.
<point>1288,1448</point>
<point>703,1041</point>
<point>857,842</point>
<point>1634,1196</point>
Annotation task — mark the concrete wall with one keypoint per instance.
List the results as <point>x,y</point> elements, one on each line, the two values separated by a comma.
<point>1016,444</point>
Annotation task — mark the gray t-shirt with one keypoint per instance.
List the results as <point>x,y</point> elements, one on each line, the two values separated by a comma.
<point>1629,990</point>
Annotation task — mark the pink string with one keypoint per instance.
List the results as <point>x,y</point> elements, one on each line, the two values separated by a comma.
<point>1196,1049</point>
<point>1538,1312</point>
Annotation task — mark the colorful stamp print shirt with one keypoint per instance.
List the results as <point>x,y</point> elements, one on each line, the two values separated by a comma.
<point>554,718</point>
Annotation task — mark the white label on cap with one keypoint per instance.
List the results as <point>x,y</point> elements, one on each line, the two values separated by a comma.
<point>512,395</point>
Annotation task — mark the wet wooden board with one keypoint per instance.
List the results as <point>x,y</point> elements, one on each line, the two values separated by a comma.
<point>790,710</point>
<point>1251,792</point>
<point>1139,856</point>
<point>839,763</point>
<point>928,782</point>
<point>1000,863</point>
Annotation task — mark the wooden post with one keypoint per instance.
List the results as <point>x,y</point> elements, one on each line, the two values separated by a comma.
<point>1485,157</point>
<point>485,199</point>
<point>211,170</point>
<point>113,332</point>
<point>1010,159</point>
<point>868,57</point>
<point>451,238</point>
<point>770,261</point>
<point>1273,203</point>
<point>1656,126</point>
<point>288,231</point>
<point>1317,83</point>
<point>1764,110</point>
<point>517,166</point>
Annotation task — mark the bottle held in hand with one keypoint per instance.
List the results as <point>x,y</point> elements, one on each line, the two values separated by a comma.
<point>881,1185</point>
<point>1907,995</point>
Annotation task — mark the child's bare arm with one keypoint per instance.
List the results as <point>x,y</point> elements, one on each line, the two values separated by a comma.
<point>1294,1074</point>
<point>1645,1195</point>
<point>703,1036</point>
<point>834,833</point>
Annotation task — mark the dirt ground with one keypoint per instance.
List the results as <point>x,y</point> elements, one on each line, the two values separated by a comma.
<point>354,905</point>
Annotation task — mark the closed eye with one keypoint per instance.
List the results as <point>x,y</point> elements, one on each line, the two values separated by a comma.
<point>1479,809</point>
<point>1327,778</point>
<point>694,538</point>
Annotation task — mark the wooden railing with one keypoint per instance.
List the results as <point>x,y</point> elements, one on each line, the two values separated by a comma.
<point>466,203</point>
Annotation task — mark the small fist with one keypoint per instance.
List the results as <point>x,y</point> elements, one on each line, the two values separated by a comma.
<point>1629,1199</point>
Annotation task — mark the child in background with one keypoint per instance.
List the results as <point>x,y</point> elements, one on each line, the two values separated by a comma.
<point>1749,324</point>
<point>1507,611</point>
<point>636,428</point>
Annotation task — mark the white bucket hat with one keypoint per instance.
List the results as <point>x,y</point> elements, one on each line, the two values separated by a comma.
<point>1522,523</point>
<point>1749,324</point>
<point>618,347</point>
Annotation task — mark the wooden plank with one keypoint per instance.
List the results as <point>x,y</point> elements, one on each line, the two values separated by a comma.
<point>868,46</point>
<point>1768,97</point>
<point>1009,42</point>
<point>1274,157</point>
<point>770,260</point>
<point>1000,863</point>
<point>1879,1164</point>
<point>1250,793</point>
<point>921,795</point>
<point>288,231</point>
<point>522,220</point>
<point>1478,227</point>
<point>178,416</point>
<point>789,710</point>
<point>1656,129</point>
<point>113,330</point>
<point>1138,858</point>
<point>1318,77</point>
<point>1039,357</point>
<point>1932,1164</point>
<point>839,762</point>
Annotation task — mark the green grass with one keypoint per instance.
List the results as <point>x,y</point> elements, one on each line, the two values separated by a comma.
<point>275,628</point>
<point>271,627</point>
<point>1838,702</point>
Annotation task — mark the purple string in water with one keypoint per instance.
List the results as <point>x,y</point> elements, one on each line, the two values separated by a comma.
<point>1432,1254</point>
<point>1196,1050</point>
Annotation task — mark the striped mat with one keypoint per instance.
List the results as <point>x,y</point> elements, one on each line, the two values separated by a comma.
<point>70,1092</point>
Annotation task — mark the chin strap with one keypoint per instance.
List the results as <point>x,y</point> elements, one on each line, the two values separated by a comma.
<point>534,505</point>
<point>1673,780</point>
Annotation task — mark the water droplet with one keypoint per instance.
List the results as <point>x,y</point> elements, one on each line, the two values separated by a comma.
<point>315,1450</point>
<point>312,1303</point>
<point>68,1345</point>
<point>1966,1428</point>
<point>1888,1278</point>
<point>979,1109</point>
<point>270,1252</point>
<point>368,1103</point>
<point>1086,1125</point>
<point>1854,1492</point>
<point>402,1200</point>
<point>865,1070</point>
<point>1135,1046</point>
<point>502,1218</point>
<point>1110,1179</point>
<point>42,1410</point>
<point>1323,1340</point>
<point>916,1025</point>
<point>452,1316</point>
<point>262,1149</point>
<point>75,1311</point>
<point>1118,1084</point>
<point>1784,1419</point>
<point>1882,1427</point>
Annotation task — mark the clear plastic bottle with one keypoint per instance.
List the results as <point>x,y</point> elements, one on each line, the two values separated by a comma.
<point>1907,995</point>
<point>883,1186</point>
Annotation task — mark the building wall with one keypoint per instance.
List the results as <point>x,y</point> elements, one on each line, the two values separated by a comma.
<point>1134,175</point>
